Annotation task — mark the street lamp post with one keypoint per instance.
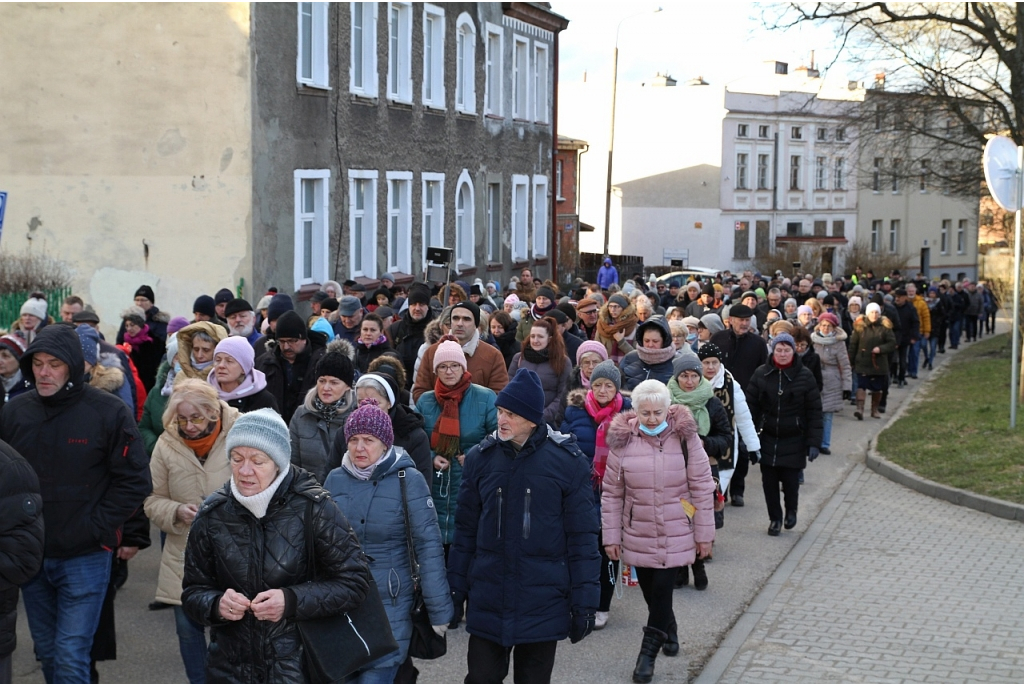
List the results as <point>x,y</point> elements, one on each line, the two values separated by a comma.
<point>611,137</point>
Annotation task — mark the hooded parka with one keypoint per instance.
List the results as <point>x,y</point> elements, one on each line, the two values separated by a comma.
<point>786,408</point>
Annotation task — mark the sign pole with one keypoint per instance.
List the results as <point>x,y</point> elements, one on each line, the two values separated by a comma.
<point>1015,365</point>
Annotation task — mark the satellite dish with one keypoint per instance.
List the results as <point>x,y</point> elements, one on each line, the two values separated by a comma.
<point>1002,172</point>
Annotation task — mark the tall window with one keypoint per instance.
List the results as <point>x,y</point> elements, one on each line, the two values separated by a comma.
<point>820,228</point>
<point>400,51</point>
<point>433,56</point>
<point>311,222</point>
<point>494,222</point>
<point>763,172</point>
<point>741,241</point>
<point>742,130</point>
<point>794,172</point>
<point>944,236</point>
<point>362,222</point>
<point>876,175</point>
<point>558,181</point>
<point>822,133</point>
<point>520,216</point>
<point>311,69</point>
<point>741,170</point>
<point>948,171</point>
<point>923,181</point>
<point>961,237</point>
<point>820,172</point>
<point>837,175</point>
<point>540,82</point>
<point>896,163</point>
<point>521,78</point>
<point>541,218</point>
<point>840,134</point>
<point>465,64</point>
<point>876,234</point>
<point>764,131</point>
<point>362,74</point>
<point>433,211</point>
<point>796,132</point>
<point>465,238</point>
<point>839,228</point>
<point>494,86</point>
<point>894,236</point>
<point>400,221</point>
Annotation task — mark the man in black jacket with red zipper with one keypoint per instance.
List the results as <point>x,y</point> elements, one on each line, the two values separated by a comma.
<point>93,472</point>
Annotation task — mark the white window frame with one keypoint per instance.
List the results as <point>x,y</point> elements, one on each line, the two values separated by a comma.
<point>433,63</point>
<point>764,172</point>
<point>465,220</point>
<point>742,130</point>
<point>837,174</point>
<point>821,134</point>
<point>764,131</point>
<point>399,182</point>
<point>520,224</point>
<point>961,237</point>
<point>876,235</point>
<point>947,225</point>
<point>541,216</point>
<point>541,65</point>
<point>465,64</point>
<point>795,172</point>
<point>520,77</point>
<point>319,72</point>
<point>894,236</point>
<point>493,222</point>
<point>399,44</point>
<point>559,180</point>
<point>368,30</point>
<point>494,76</point>
<point>435,212</point>
<point>319,247</point>
<point>742,167</point>
<point>821,173</point>
<point>796,132</point>
<point>369,225</point>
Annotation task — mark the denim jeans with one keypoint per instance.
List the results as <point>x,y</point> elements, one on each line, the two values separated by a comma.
<point>826,434</point>
<point>192,645</point>
<point>955,327</point>
<point>914,356</point>
<point>62,604</point>
<point>374,675</point>
<point>933,344</point>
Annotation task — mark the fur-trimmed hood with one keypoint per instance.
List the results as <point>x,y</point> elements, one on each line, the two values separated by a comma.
<point>577,398</point>
<point>625,426</point>
<point>862,323</point>
<point>108,378</point>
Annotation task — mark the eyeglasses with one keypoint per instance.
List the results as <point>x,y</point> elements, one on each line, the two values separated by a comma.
<point>589,312</point>
<point>449,368</point>
<point>197,421</point>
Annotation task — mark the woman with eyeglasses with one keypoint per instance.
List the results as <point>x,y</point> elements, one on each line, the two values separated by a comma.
<point>189,462</point>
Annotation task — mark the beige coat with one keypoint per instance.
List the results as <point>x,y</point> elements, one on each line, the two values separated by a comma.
<point>179,478</point>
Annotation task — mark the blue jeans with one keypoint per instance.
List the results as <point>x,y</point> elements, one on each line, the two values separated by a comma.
<point>374,675</point>
<point>914,357</point>
<point>955,327</point>
<point>192,645</point>
<point>62,604</point>
<point>933,344</point>
<point>826,434</point>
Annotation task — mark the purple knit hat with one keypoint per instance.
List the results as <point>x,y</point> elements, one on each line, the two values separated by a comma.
<point>176,324</point>
<point>369,419</point>
<point>239,349</point>
<point>591,346</point>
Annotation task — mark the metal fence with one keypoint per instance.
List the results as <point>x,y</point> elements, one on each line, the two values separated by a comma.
<point>10,305</point>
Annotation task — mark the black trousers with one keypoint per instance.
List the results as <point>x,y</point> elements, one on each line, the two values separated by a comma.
<point>488,661</point>
<point>901,351</point>
<point>771,476</point>
<point>607,587</point>
<point>657,585</point>
<point>737,485</point>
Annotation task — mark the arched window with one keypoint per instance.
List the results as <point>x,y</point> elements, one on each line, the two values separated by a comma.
<point>465,64</point>
<point>465,238</point>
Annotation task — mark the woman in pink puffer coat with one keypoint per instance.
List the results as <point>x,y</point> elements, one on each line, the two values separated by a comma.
<point>657,507</point>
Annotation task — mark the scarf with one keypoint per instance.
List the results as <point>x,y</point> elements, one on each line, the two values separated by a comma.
<point>659,356</point>
<point>204,443</point>
<point>719,380</point>
<point>602,416</point>
<point>327,411</point>
<point>696,401</point>
<point>12,380</point>
<point>253,382</point>
<point>361,474</point>
<point>445,439</point>
<point>539,313</point>
<point>379,341</point>
<point>606,328</point>
<point>257,504</point>
<point>141,338</point>
<point>584,381</point>
<point>534,356</point>
<point>172,373</point>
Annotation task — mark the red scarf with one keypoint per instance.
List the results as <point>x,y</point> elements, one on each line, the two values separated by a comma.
<point>602,416</point>
<point>445,440</point>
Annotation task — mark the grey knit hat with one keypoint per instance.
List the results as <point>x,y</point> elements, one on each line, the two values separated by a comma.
<point>687,361</point>
<point>609,371</point>
<point>265,430</point>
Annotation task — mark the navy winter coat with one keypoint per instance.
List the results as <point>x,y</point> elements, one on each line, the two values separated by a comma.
<point>578,422</point>
<point>525,550</point>
<point>786,408</point>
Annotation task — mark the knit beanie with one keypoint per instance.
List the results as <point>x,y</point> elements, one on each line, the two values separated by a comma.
<point>87,315</point>
<point>874,306</point>
<point>89,337</point>
<point>619,300</point>
<point>337,365</point>
<point>369,419</point>
<point>591,346</point>
<point>175,325</point>
<point>473,309</point>
<point>568,309</point>
<point>687,361</point>
<point>609,371</point>
<point>691,322</point>
<point>264,430</point>
<point>708,289</point>
<point>329,305</point>
<point>708,350</point>
<point>854,301</point>
<point>135,315</point>
<point>449,351</point>
<point>146,292</point>
<point>290,325</point>
<point>13,344</point>
<point>379,382</point>
<point>238,349</point>
<point>804,309</point>
<point>264,303</point>
<point>204,304</point>
<point>36,307</point>
<point>713,323</point>
<point>511,299</point>
<point>829,317</point>
<point>321,325</point>
<point>783,338</point>
<point>524,396</point>
<point>547,292</point>
<point>223,295</point>
<point>237,305</point>
<point>279,304</point>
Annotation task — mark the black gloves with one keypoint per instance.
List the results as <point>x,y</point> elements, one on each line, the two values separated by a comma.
<point>812,453</point>
<point>755,456</point>
<point>582,625</point>
<point>846,394</point>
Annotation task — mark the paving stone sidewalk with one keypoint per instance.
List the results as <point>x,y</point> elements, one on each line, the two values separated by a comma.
<point>887,585</point>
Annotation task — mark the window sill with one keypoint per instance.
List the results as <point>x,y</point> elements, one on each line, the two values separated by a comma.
<point>465,113</point>
<point>312,89</point>
<point>370,284</point>
<point>434,109</point>
<point>519,263</point>
<point>399,104</point>
<point>494,266</point>
<point>466,270</point>
<point>306,292</point>
<point>402,278</point>
<point>491,115</point>
<point>541,261</point>
<point>542,123</point>
<point>362,99</point>
<point>517,120</point>
<point>559,198</point>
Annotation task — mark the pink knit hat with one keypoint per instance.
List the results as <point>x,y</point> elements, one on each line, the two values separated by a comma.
<point>370,419</point>
<point>449,351</point>
<point>512,298</point>
<point>591,346</point>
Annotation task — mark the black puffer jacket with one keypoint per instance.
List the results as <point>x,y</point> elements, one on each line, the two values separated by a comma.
<point>718,442</point>
<point>786,408</point>
<point>21,537</point>
<point>290,385</point>
<point>741,354</point>
<point>642,364</point>
<point>406,337</point>
<point>228,547</point>
<point>84,445</point>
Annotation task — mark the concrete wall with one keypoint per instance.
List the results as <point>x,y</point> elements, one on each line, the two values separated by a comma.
<point>126,126</point>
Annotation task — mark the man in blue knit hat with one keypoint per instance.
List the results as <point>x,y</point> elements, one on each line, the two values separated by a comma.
<point>527,527</point>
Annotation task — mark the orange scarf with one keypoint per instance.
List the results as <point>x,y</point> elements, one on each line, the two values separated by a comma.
<point>202,446</point>
<point>445,439</point>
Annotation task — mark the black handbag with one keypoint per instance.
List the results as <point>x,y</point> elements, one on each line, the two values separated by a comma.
<point>337,646</point>
<point>424,643</point>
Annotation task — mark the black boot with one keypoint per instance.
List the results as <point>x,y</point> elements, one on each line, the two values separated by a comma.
<point>700,576</point>
<point>682,577</point>
<point>671,646</point>
<point>649,648</point>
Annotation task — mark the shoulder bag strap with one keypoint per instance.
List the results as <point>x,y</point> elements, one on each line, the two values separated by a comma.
<point>413,562</point>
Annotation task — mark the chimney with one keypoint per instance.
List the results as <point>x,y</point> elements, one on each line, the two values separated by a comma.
<point>699,81</point>
<point>663,80</point>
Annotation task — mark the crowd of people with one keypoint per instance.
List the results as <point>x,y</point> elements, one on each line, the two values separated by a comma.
<point>495,453</point>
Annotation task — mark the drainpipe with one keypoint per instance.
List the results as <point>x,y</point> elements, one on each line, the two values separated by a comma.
<point>554,151</point>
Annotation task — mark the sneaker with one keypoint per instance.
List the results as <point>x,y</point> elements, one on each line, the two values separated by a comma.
<point>825,450</point>
<point>600,619</point>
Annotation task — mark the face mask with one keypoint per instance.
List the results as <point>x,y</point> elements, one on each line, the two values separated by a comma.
<point>690,337</point>
<point>656,430</point>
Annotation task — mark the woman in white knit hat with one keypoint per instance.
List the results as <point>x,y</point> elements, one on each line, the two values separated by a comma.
<point>33,318</point>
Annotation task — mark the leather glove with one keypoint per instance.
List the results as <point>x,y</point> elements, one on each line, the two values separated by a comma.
<point>755,457</point>
<point>440,630</point>
<point>812,453</point>
<point>458,599</point>
<point>582,625</point>
<point>846,394</point>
